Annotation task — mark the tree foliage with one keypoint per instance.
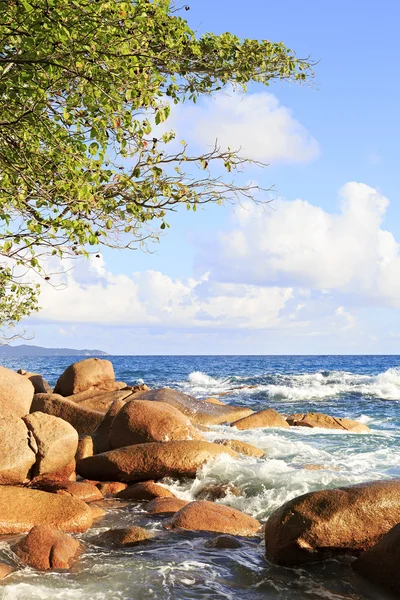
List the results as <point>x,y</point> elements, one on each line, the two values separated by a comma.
<point>83,86</point>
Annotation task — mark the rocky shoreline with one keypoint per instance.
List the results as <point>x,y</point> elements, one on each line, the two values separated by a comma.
<point>62,452</point>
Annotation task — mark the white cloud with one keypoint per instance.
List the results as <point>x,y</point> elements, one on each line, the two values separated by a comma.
<point>255,123</point>
<point>300,245</point>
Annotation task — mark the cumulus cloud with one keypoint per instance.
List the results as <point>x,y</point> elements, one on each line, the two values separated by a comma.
<point>298,244</point>
<point>255,123</point>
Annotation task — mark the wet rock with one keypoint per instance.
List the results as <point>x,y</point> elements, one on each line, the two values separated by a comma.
<point>56,442</point>
<point>326,422</point>
<point>208,516</point>
<point>322,524</point>
<point>85,447</point>
<point>154,460</point>
<point>198,411</point>
<point>223,542</point>
<point>5,570</point>
<point>17,450</point>
<point>380,564</point>
<point>23,508</point>
<point>264,418</point>
<point>217,491</point>
<point>141,421</point>
<point>40,385</point>
<point>84,420</point>
<point>91,373</point>
<point>123,537</point>
<point>46,548</point>
<point>145,490</point>
<point>111,488</point>
<point>241,447</point>
<point>97,511</point>
<point>165,506</point>
<point>16,394</point>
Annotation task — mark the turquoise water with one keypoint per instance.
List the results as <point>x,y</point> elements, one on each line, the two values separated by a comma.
<point>178,566</point>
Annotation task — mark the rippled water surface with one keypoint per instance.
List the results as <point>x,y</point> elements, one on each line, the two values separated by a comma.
<point>178,566</point>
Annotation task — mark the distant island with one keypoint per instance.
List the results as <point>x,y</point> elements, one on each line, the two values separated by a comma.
<point>27,350</point>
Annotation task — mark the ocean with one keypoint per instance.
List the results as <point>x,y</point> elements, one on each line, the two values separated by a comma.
<point>178,566</point>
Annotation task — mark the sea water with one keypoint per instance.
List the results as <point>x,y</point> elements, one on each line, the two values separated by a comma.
<point>299,460</point>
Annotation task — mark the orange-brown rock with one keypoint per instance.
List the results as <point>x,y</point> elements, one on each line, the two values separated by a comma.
<point>85,447</point>
<point>101,442</point>
<point>214,492</point>
<point>46,548</point>
<point>264,418</point>
<point>141,421</point>
<point>17,450</point>
<point>320,524</point>
<point>153,460</point>
<point>16,393</point>
<point>56,442</point>
<point>111,488</point>
<point>223,542</point>
<point>5,570</point>
<point>208,516</point>
<point>212,400</point>
<point>145,490</point>
<point>241,447</point>
<point>23,508</point>
<point>84,420</point>
<point>198,411</point>
<point>102,402</point>
<point>40,385</point>
<point>124,537</point>
<point>326,422</point>
<point>67,473</point>
<point>97,511</point>
<point>380,564</point>
<point>90,373</point>
<point>165,506</point>
<point>82,490</point>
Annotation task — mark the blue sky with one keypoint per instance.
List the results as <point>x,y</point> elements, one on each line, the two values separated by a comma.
<point>316,272</point>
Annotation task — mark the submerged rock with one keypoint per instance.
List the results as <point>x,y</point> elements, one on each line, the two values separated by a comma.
<point>141,421</point>
<point>198,411</point>
<point>90,373</point>
<point>165,506</point>
<point>16,394</point>
<point>223,542</point>
<point>124,537</point>
<point>217,491</point>
<point>322,524</point>
<point>326,422</point>
<point>23,508</point>
<point>207,516</point>
<point>46,548</point>
<point>264,418</point>
<point>5,570</point>
<point>145,490</point>
<point>153,460</point>
<point>241,447</point>
<point>380,564</point>
<point>84,420</point>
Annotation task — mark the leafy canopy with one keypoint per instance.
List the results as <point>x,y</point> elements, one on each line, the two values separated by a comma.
<point>83,83</point>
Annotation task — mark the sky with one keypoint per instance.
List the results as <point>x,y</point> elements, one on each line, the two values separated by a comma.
<point>315,271</point>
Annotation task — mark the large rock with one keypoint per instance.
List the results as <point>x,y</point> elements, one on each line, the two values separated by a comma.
<point>40,385</point>
<point>208,516</point>
<point>82,490</point>
<point>102,402</point>
<point>154,460</point>
<point>241,447</point>
<point>165,506</point>
<point>84,420</point>
<point>17,451</point>
<point>46,548</point>
<point>56,442</point>
<point>101,435</point>
<point>264,418</point>
<point>16,393</point>
<point>23,508</point>
<point>145,490</point>
<point>327,422</point>
<point>380,564</point>
<point>198,411</point>
<point>321,524</point>
<point>141,421</point>
<point>66,473</point>
<point>91,373</point>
